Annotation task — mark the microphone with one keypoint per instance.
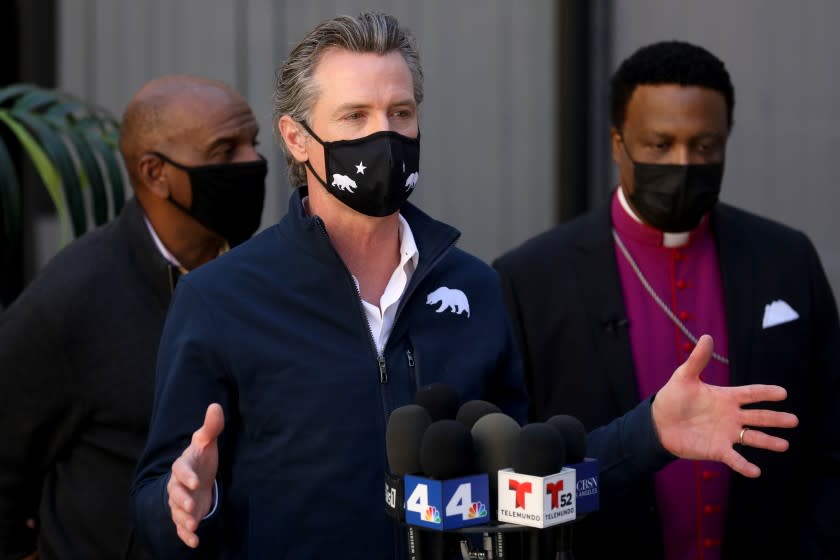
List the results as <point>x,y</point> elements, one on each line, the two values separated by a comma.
<point>587,468</point>
<point>448,497</point>
<point>587,473</point>
<point>493,436</point>
<point>403,435</point>
<point>538,491</point>
<point>439,399</point>
<point>471,411</point>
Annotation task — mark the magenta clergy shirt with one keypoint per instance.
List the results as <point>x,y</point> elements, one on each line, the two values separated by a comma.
<point>691,494</point>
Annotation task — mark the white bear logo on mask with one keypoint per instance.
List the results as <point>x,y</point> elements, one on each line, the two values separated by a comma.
<point>451,299</point>
<point>344,183</point>
<point>412,180</point>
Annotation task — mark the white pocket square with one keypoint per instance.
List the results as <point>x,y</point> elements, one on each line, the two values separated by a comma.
<point>777,313</point>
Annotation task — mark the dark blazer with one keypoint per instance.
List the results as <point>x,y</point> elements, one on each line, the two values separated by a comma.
<point>564,295</point>
<point>77,358</point>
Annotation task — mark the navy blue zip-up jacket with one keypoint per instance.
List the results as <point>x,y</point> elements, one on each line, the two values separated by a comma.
<point>275,332</point>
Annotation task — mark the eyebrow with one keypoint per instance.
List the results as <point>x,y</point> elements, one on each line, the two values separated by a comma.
<point>232,137</point>
<point>356,106</point>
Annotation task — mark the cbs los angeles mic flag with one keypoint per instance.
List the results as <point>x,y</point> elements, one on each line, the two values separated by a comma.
<point>537,501</point>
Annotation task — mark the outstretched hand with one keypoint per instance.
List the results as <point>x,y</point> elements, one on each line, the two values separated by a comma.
<point>695,420</point>
<point>190,486</point>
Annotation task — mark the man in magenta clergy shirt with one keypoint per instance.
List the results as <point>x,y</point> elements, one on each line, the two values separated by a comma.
<point>605,307</point>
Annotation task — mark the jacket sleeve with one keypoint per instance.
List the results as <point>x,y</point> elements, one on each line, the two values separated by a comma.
<point>191,374</point>
<point>627,449</point>
<point>40,412</point>
<point>819,535</point>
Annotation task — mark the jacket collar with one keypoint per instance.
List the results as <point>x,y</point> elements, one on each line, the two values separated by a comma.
<point>601,289</point>
<point>154,268</point>
<point>433,238</point>
<point>738,275</point>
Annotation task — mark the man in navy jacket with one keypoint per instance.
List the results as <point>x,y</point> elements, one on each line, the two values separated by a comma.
<point>296,347</point>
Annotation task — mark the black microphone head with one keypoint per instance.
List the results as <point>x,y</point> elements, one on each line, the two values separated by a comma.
<point>493,437</point>
<point>538,450</point>
<point>471,411</point>
<point>447,450</point>
<point>573,433</point>
<point>403,435</point>
<point>439,399</point>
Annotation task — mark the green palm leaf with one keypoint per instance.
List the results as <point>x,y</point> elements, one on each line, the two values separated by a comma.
<point>58,153</point>
<point>72,145</point>
<point>46,170</point>
<point>113,167</point>
<point>14,91</point>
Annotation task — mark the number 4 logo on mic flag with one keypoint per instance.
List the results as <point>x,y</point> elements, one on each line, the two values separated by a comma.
<point>447,504</point>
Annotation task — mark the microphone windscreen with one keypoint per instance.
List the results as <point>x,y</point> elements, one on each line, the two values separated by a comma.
<point>573,433</point>
<point>403,436</point>
<point>439,399</point>
<point>447,450</point>
<point>493,437</point>
<point>539,450</point>
<point>471,411</point>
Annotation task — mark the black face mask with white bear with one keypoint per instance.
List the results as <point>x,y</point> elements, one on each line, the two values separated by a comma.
<point>373,175</point>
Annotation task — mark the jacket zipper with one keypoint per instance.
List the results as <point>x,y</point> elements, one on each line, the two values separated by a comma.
<point>412,371</point>
<point>380,358</point>
<point>415,281</point>
<point>383,371</point>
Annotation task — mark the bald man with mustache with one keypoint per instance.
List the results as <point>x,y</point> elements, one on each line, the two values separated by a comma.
<point>78,347</point>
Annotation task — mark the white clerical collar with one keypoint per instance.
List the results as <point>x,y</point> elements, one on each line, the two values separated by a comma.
<point>669,240</point>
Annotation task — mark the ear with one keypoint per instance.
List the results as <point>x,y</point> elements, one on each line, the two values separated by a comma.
<point>616,141</point>
<point>294,136</point>
<point>151,175</point>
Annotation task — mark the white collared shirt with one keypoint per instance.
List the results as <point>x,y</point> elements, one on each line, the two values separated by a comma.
<point>381,318</point>
<point>170,258</point>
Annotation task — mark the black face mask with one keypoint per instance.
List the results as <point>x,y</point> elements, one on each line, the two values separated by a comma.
<point>227,198</point>
<point>373,175</point>
<point>673,198</point>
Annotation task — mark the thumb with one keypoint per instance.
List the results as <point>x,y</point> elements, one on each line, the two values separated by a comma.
<point>214,423</point>
<point>697,361</point>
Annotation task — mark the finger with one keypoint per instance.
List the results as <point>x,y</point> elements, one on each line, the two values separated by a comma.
<point>190,539</point>
<point>180,497</point>
<point>737,463</point>
<point>184,473</point>
<point>760,393</point>
<point>214,423</point>
<point>768,418</point>
<point>184,520</point>
<point>697,360</point>
<point>760,440</point>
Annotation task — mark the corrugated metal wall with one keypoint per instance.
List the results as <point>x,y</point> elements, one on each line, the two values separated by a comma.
<point>487,119</point>
<point>783,159</point>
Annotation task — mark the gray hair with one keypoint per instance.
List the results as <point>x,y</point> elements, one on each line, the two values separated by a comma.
<point>294,89</point>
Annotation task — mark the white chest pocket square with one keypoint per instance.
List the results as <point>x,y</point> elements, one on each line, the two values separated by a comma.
<point>778,312</point>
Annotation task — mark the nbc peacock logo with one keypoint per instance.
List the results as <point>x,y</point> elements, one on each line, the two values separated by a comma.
<point>431,514</point>
<point>476,510</point>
